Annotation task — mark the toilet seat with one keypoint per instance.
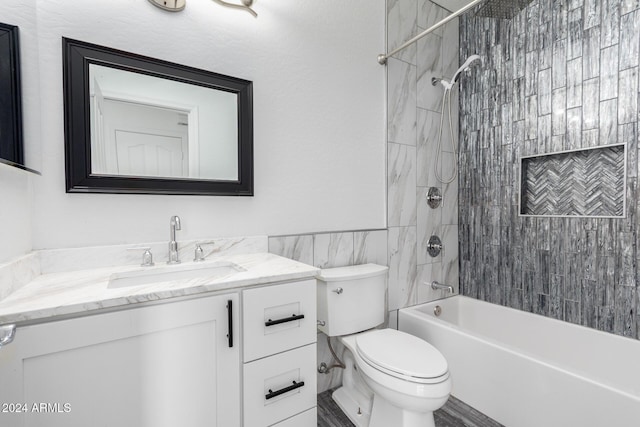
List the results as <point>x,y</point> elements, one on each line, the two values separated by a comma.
<point>402,356</point>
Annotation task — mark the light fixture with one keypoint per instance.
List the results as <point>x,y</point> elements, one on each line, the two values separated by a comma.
<point>246,5</point>
<point>169,5</point>
<point>178,5</point>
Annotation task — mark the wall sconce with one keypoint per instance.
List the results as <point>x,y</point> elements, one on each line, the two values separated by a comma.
<point>246,5</point>
<point>178,5</point>
<point>169,5</point>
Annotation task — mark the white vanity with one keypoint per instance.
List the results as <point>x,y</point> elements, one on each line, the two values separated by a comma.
<point>236,349</point>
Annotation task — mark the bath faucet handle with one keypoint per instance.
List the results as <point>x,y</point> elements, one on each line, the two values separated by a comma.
<point>147,256</point>
<point>434,246</point>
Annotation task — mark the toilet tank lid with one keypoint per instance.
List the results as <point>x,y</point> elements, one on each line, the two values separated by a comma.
<point>352,272</point>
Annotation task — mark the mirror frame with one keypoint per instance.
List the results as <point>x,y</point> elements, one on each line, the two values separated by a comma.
<point>77,56</point>
<point>11,137</point>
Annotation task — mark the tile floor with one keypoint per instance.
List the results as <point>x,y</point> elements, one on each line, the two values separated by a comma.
<point>454,413</point>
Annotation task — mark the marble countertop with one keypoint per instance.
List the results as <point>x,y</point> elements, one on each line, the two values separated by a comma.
<point>76,292</point>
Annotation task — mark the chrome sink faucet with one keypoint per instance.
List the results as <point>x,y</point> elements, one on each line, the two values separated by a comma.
<point>174,225</point>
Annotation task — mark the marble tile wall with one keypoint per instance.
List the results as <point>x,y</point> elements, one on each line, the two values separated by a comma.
<point>414,112</point>
<point>563,74</point>
<point>328,250</point>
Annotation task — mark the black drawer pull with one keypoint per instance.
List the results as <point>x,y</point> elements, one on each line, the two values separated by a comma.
<point>230,321</point>
<point>284,320</point>
<point>276,393</point>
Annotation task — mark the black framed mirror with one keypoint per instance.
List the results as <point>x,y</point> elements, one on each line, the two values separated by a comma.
<point>135,124</point>
<point>11,143</point>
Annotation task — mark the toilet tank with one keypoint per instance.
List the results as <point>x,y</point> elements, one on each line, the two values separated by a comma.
<point>351,299</point>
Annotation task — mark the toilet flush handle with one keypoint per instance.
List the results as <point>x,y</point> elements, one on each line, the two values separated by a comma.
<point>338,291</point>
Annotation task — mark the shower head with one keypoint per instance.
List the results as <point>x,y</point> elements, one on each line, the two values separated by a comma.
<point>501,9</point>
<point>448,84</point>
<point>464,67</point>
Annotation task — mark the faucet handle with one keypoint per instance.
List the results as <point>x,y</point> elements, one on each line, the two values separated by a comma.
<point>147,256</point>
<point>199,252</point>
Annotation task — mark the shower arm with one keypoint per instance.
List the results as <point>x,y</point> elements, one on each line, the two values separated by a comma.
<point>382,58</point>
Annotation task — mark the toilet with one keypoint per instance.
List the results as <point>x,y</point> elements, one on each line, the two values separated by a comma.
<point>390,378</point>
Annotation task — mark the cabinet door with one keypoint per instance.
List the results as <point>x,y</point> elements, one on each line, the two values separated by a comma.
<point>164,365</point>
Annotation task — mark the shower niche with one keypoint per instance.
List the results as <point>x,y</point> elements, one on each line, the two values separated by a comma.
<point>587,182</point>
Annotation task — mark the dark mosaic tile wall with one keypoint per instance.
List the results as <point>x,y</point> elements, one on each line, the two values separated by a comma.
<point>561,75</point>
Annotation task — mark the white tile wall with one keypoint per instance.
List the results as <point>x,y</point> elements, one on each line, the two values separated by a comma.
<point>401,86</point>
<point>333,250</point>
<point>401,183</point>
<point>299,248</point>
<point>402,265</point>
<point>410,267</point>
<point>401,26</point>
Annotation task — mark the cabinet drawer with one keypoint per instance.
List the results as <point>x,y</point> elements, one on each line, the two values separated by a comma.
<point>306,419</point>
<point>269,392</point>
<point>278,318</point>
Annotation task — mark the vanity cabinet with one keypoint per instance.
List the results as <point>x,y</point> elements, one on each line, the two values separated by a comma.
<point>245,358</point>
<point>172,364</point>
<point>279,355</point>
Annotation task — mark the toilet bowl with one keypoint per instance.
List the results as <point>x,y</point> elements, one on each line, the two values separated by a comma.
<point>391,378</point>
<point>408,377</point>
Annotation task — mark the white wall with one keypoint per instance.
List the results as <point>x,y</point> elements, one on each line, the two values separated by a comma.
<point>319,98</point>
<point>15,212</point>
<point>16,184</point>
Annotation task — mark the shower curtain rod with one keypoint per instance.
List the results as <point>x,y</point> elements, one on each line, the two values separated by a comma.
<point>382,58</point>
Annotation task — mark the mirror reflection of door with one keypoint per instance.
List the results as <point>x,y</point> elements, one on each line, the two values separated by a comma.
<point>136,139</point>
<point>149,154</point>
<point>160,111</point>
<point>144,140</point>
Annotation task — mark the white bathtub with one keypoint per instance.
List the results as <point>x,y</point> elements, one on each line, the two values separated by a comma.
<point>525,370</point>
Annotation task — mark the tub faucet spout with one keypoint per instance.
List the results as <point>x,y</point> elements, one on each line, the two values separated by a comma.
<point>437,285</point>
<point>174,225</point>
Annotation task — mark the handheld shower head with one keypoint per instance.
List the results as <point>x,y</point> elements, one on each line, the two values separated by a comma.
<point>446,96</point>
<point>464,67</point>
<point>456,76</point>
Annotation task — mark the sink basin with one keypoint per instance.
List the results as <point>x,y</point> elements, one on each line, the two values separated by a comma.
<point>210,271</point>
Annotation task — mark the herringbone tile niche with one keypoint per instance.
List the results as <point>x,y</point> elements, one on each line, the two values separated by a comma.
<point>588,182</point>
